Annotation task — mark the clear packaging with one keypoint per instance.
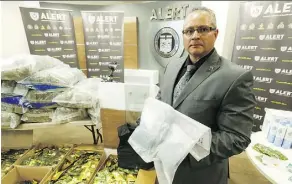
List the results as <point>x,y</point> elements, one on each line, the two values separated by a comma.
<point>19,67</point>
<point>83,95</point>
<point>94,114</point>
<point>281,131</point>
<point>38,115</point>
<point>65,115</point>
<point>163,130</point>
<point>7,87</point>
<point>9,120</point>
<point>58,77</point>
<point>40,99</point>
<point>20,90</point>
<point>287,143</point>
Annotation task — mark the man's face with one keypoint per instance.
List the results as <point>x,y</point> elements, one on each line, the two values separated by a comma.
<point>199,44</point>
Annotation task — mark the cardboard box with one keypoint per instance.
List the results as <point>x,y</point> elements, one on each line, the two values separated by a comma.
<point>23,173</point>
<point>31,152</point>
<point>80,147</point>
<point>11,166</point>
<point>143,177</point>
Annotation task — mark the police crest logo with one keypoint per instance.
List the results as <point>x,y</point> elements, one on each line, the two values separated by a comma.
<point>91,19</point>
<point>277,70</point>
<point>284,48</point>
<point>166,42</point>
<point>272,91</point>
<point>34,16</point>
<point>255,11</point>
<point>257,58</point>
<point>262,37</point>
<point>238,47</point>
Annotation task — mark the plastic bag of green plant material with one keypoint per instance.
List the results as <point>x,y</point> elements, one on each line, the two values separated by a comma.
<point>9,120</point>
<point>94,114</point>
<point>7,87</point>
<point>19,67</point>
<point>54,78</point>
<point>38,115</point>
<point>41,99</point>
<point>65,115</point>
<point>83,95</point>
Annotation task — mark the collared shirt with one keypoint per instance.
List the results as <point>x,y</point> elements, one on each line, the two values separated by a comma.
<point>189,62</point>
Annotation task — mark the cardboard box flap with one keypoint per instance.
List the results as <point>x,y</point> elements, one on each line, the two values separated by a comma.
<point>23,173</point>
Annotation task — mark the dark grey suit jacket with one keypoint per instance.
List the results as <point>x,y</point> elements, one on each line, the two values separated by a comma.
<point>219,95</point>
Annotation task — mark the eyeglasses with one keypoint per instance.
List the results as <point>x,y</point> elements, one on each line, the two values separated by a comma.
<point>201,30</point>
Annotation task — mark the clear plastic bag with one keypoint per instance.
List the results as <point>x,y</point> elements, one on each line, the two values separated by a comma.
<point>40,99</point>
<point>272,117</point>
<point>38,115</point>
<point>163,130</point>
<point>9,120</point>
<point>65,115</point>
<point>19,67</point>
<point>94,114</point>
<point>20,90</point>
<point>58,77</point>
<point>13,104</point>
<point>83,95</point>
<point>7,87</point>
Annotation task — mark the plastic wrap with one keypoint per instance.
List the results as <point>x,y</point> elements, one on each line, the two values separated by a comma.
<point>22,66</point>
<point>20,90</point>
<point>38,115</point>
<point>83,95</point>
<point>58,77</point>
<point>272,119</point>
<point>7,87</point>
<point>94,114</point>
<point>65,115</point>
<point>9,120</point>
<point>163,130</point>
<point>41,99</point>
<point>13,104</point>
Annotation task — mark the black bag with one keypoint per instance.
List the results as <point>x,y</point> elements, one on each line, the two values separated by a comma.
<point>127,157</point>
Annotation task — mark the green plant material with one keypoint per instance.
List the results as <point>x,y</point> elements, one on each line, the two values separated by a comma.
<point>269,151</point>
<point>28,182</point>
<point>112,174</point>
<point>77,168</point>
<point>8,158</point>
<point>46,156</point>
<point>38,115</point>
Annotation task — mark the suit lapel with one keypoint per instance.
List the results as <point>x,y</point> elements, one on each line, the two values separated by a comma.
<point>172,78</point>
<point>207,68</point>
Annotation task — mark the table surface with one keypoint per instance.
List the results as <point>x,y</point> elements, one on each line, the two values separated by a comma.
<point>30,126</point>
<point>273,174</point>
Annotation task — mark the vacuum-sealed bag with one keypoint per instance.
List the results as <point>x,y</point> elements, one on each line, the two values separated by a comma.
<point>41,99</point>
<point>94,114</point>
<point>19,67</point>
<point>7,87</point>
<point>83,95</point>
<point>38,115</point>
<point>164,130</point>
<point>13,104</point>
<point>9,120</point>
<point>54,78</point>
<point>65,115</point>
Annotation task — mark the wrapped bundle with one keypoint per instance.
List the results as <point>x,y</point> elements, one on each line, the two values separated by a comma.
<point>9,120</point>
<point>38,115</point>
<point>65,115</point>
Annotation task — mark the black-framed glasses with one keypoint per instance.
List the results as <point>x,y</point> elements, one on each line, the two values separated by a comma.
<point>201,30</point>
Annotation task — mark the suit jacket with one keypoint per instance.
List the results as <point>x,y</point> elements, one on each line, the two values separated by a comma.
<point>219,95</point>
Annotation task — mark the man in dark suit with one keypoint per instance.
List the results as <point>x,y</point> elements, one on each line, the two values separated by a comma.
<point>215,92</point>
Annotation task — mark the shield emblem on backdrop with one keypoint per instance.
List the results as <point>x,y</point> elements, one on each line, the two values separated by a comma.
<point>91,19</point>
<point>272,91</point>
<point>257,58</point>
<point>238,47</point>
<point>277,70</point>
<point>34,16</point>
<point>284,48</point>
<point>262,37</point>
<point>255,10</point>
